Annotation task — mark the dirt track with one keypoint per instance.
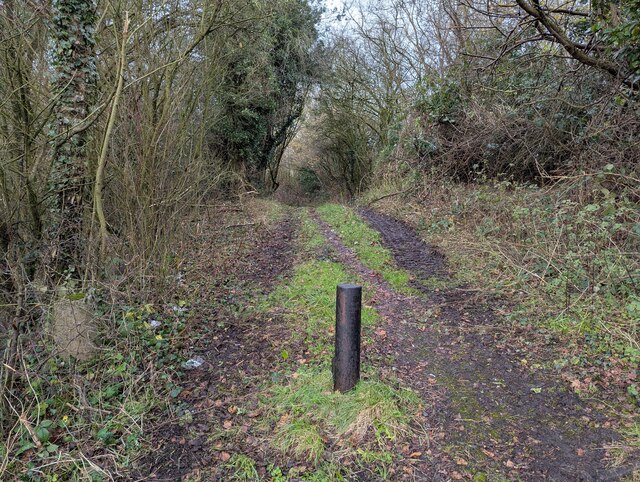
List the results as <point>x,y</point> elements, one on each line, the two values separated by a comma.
<point>490,414</point>
<point>238,352</point>
<point>487,414</point>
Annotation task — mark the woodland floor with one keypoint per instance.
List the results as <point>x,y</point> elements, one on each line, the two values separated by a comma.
<point>485,413</point>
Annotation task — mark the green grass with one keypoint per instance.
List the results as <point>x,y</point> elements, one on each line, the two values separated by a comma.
<point>301,438</point>
<point>310,413</point>
<point>242,468</point>
<point>366,243</point>
<point>326,471</point>
<point>633,435</point>
<point>312,240</point>
<point>309,298</point>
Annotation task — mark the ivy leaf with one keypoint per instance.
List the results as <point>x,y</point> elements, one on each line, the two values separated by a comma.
<point>46,423</point>
<point>24,448</point>
<point>42,433</point>
<point>105,436</point>
<point>52,448</point>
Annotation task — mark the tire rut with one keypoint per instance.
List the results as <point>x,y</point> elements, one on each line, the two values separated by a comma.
<point>490,416</point>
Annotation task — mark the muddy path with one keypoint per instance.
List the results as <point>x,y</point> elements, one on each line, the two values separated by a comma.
<point>490,416</point>
<point>239,350</point>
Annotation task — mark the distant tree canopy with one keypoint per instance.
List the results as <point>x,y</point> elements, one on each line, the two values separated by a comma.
<point>266,71</point>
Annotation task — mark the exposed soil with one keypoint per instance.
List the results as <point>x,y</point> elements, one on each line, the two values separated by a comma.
<point>409,251</point>
<point>240,351</point>
<point>491,416</point>
<point>488,414</point>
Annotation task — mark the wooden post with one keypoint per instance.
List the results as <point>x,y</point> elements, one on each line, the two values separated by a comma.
<point>346,362</point>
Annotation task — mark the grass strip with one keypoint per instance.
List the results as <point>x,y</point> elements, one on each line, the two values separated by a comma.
<point>366,243</point>
<point>309,300</point>
<point>311,416</point>
<point>304,418</point>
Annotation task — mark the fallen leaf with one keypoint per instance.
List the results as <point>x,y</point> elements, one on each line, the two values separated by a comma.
<point>227,424</point>
<point>509,464</point>
<point>284,419</point>
<point>224,456</point>
<point>488,453</point>
<point>415,455</point>
<point>461,461</point>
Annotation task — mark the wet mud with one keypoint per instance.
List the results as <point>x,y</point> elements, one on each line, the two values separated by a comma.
<point>490,416</point>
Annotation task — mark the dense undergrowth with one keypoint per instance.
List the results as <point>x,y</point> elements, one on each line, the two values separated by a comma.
<point>86,420</point>
<point>566,255</point>
<point>93,420</point>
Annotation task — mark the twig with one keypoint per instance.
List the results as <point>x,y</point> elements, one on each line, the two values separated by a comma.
<point>217,206</point>
<point>390,195</point>
<point>29,428</point>
<point>87,407</point>
<point>98,205</point>
<point>239,225</point>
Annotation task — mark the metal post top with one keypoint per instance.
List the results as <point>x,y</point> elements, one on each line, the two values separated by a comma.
<point>348,286</point>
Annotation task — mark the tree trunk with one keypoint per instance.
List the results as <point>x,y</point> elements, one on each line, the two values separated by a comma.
<point>75,77</point>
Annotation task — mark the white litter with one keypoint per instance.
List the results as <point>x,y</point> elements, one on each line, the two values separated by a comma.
<point>193,363</point>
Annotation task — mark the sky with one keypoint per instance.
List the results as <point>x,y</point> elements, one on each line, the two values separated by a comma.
<point>334,3</point>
